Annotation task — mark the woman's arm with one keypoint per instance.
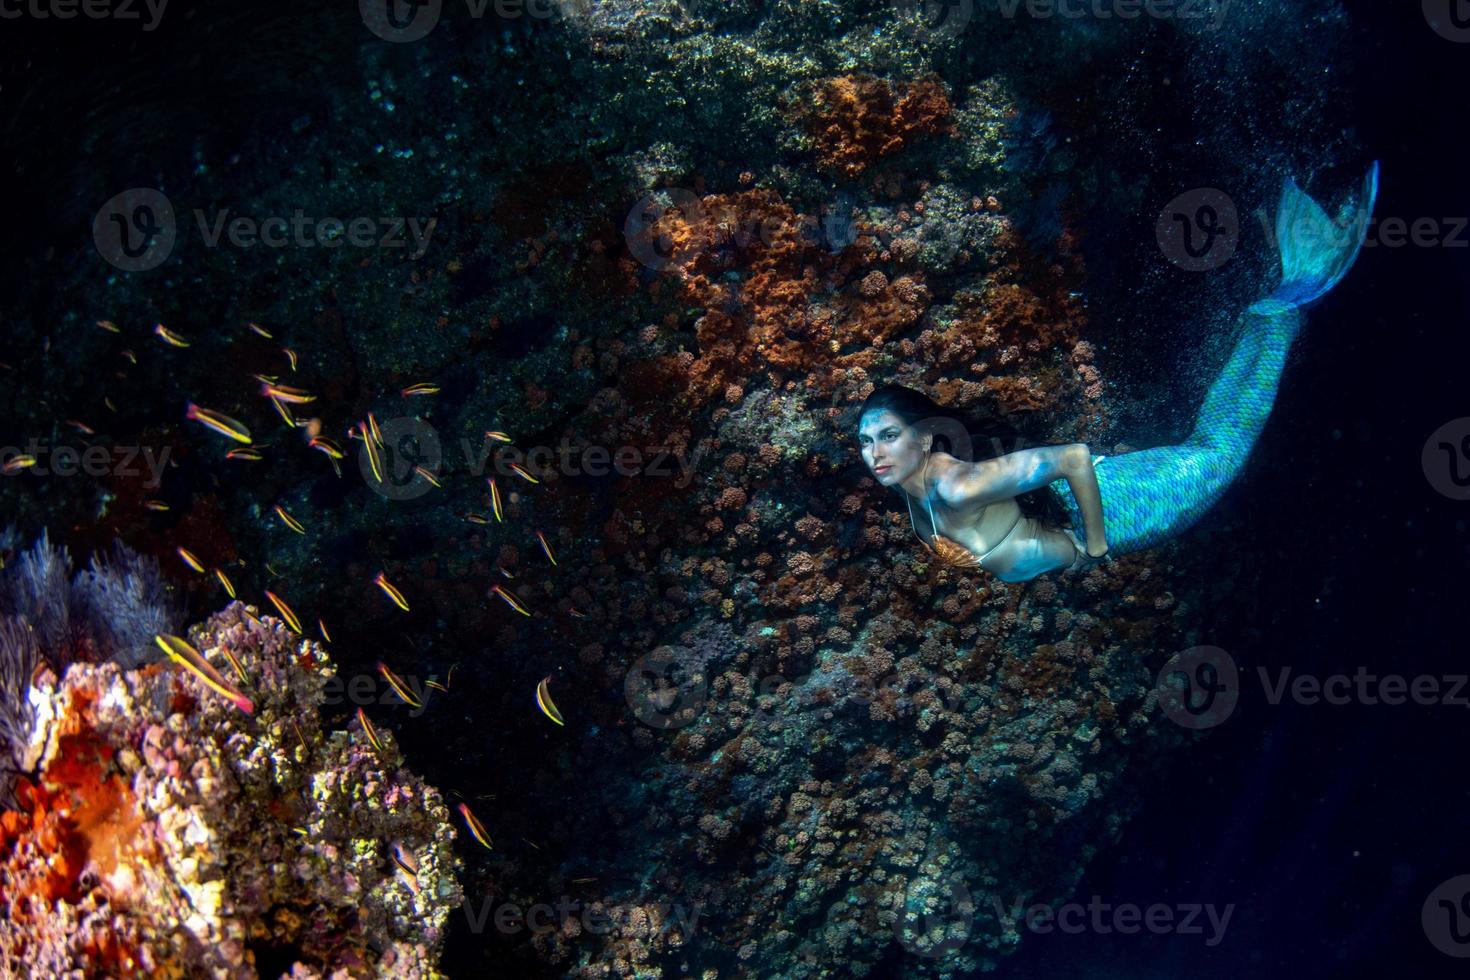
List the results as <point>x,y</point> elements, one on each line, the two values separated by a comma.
<point>1004,477</point>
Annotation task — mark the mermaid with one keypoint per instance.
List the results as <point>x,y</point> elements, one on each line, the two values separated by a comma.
<point>1021,514</point>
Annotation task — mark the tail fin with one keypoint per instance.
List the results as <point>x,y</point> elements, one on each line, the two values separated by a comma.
<point>1316,251</point>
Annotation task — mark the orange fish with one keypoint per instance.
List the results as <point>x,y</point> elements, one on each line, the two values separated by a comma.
<point>168,336</point>
<point>285,611</point>
<point>323,627</point>
<point>260,330</point>
<point>18,462</point>
<point>510,599</point>
<point>225,581</point>
<point>495,500</point>
<point>367,727</point>
<point>497,435</point>
<point>219,422</point>
<point>181,652</point>
<point>522,473</point>
<point>328,446</point>
<point>81,427</point>
<point>109,326</point>
<point>396,682</point>
<point>427,476</point>
<point>544,702</point>
<point>474,518</point>
<point>287,394</point>
<point>190,560</point>
<point>290,521</point>
<point>248,452</point>
<point>291,354</point>
<point>476,828</point>
<point>546,547</point>
<point>382,582</point>
<point>422,388</point>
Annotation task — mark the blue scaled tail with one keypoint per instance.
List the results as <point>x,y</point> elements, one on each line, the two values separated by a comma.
<point>1154,494</point>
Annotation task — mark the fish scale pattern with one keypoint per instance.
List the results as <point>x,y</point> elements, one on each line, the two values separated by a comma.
<point>1154,494</point>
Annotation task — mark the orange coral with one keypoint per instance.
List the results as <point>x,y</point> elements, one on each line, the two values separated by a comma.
<point>856,119</point>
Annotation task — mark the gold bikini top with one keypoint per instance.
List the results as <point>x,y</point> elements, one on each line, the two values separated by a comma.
<point>946,551</point>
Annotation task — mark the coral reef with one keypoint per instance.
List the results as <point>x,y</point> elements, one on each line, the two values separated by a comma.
<point>166,832</point>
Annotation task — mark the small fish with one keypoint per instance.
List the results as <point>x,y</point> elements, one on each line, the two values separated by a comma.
<point>369,730</point>
<point>260,330</point>
<point>168,336</point>
<point>510,599</point>
<point>247,453</point>
<point>181,652</point>
<point>475,518</point>
<point>396,682</point>
<point>497,435</point>
<point>505,572</point>
<point>427,476</point>
<point>266,379</point>
<point>372,452</point>
<point>422,388</point>
<point>495,500</point>
<point>575,613</point>
<point>158,505</point>
<point>190,560</point>
<point>290,521</point>
<point>476,828</point>
<point>284,412</point>
<point>252,617</point>
<point>234,662</point>
<point>323,627</point>
<point>544,702</point>
<point>81,427</point>
<point>407,865</point>
<point>218,421</point>
<point>16,463</point>
<point>109,326</point>
<point>107,400</point>
<point>449,681</point>
<point>133,358</point>
<point>584,881</point>
<point>225,581</point>
<point>382,582</point>
<point>290,355</point>
<point>287,394</point>
<point>300,830</point>
<point>531,843</point>
<point>546,547</point>
<point>522,473</point>
<point>377,432</point>
<point>328,446</point>
<point>285,611</point>
<point>436,686</point>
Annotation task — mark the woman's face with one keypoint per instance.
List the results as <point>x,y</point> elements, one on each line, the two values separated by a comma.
<point>892,450</point>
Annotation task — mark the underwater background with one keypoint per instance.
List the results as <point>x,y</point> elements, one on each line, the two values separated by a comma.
<point>435,541</point>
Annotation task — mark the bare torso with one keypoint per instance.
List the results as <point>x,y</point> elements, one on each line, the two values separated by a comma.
<point>1012,547</point>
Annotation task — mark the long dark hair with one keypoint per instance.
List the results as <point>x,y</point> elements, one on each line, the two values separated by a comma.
<point>988,435</point>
